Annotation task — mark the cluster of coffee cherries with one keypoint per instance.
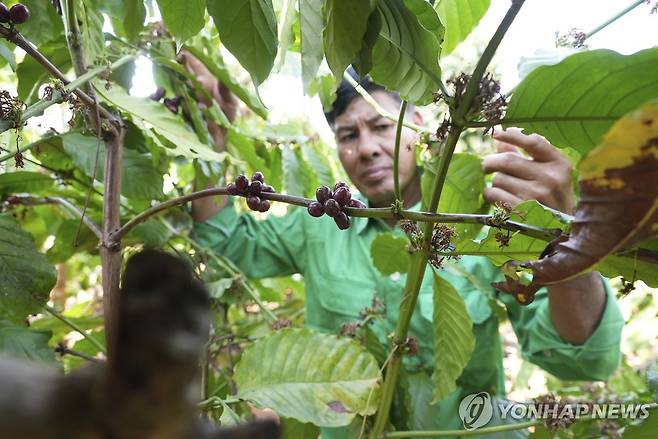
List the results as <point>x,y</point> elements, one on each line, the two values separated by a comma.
<point>18,14</point>
<point>172,104</point>
<point>332,203</point>
<point>251,190</point>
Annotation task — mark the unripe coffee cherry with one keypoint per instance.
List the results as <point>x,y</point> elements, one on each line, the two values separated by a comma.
<point>342,195</point>
<point>242,183</point>
<point>316,209</point>
<point>331,207</point>
<point>258,176</point>
<point>4,14</point>
<point>342,220</point>
<point>19,13</point>
<point>322,194</point>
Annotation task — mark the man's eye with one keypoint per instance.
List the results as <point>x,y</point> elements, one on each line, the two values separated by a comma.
<point>347,137</point>
<point>383,127</point>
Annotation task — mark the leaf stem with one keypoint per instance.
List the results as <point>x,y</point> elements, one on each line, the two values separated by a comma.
<point>614,18</point>
<point>75,327</point>
<point>396,156</point>
<point>460,433</point>
<point>369,99</point>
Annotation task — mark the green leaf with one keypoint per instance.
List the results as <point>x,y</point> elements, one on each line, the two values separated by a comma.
<point>294,182</point>
<point>25,277</point>
<point>21,342</point>
<point>453,338</point>
<point>405,57</point>
<point>309,376</point>
<point>31,75</point>
<point>288,16</point>
<point>645,430</point>
<point>215,64</point>
<point>310,17</point>
<point>44,24</point>
<point>248,30</point>
<point>462,191</point>
<point>146,114</point>
<point>390,254</point>
<point>133,22</point>
<point>183,19</point>
<point>24,182</point>
<point>64,246</point>
<point>139,178</point>
<point>153,233</point>
<point>427,16</point>
<point>630,268</point>
<point>459,17</point>
<point>292,429</point>
<point>7,54</point>
<point>574,103</point>
<point>363,61</point>
<point>520,247</point>
<point>91,29</point>
<point>316,157</point>
<point>347,21</point>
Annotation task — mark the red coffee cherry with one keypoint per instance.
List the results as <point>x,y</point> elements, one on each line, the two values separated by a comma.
<point>342,195</point>
<point>331,207</point>
<point>19,13</point>
<point>316,209</point>
<point>342,220</point>
<point>322,194</point>
<point>4,14</point>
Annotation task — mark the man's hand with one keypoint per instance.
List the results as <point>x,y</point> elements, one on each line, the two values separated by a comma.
<point>544,176</point>
<point>227,101</point>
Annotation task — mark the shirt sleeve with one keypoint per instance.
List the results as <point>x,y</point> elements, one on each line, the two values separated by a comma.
<point>260,248</point>
<point>594,360</point>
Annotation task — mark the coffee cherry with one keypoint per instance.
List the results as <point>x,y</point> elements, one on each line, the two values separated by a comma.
<point>316,209</point>
<point>342,220</point>
<point>267,188</point>
<point>253,202</point>
<point>340,184</point>
<point>4,14</point>
<point>356,203</point>
<point>258,176</point>
<point>19,13</point>
<point>232,189</point>
<point>331,207</point>
<point>322,194</point>
<point>263,206</point>
<point>172,104</point>
<point>255,187</point>
<point>342,195</point>
<point>242,183</point>
<point>13,200</point>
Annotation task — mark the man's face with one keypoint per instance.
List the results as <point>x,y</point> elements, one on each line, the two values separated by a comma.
<point>366,145</point>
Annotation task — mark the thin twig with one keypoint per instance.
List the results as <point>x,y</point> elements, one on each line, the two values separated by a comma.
<point>75,327</point>
<point>63,350</point>
<point>396,155</point>
<point>614,18</point>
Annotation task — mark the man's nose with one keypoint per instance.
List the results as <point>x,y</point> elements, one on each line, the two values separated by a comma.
<point>368,145</point>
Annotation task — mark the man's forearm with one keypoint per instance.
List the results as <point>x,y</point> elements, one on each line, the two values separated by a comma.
<point>576,306</point>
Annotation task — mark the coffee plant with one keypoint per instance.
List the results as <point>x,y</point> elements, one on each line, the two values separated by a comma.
<point>122,175</point>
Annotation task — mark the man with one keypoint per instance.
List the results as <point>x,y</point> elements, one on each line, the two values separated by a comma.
<point>571,329</point>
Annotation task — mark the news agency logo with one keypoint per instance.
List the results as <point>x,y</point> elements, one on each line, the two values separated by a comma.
<point>477,409</point>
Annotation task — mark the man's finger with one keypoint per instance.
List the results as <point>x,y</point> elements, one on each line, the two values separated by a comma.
<point>513,185</point>
<point>493,194</point>
<point>510,163</point>
<point>506,147</point>
<point>536,146</point>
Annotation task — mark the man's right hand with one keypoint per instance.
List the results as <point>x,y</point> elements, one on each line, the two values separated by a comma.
<point>205,208</point>
<point>219,92</point>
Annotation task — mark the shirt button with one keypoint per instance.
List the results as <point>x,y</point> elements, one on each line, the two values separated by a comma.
<point>395,277</point>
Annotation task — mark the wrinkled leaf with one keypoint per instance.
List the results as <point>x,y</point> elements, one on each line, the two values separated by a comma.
<point>21,342</point>
<point>25,277</point>
<point>405,57</point>
<point>459,17</point>
<point>248,30</point>
<point>390,254</point>
<point>453,338</point>
<point>347,21</point>
<point>64,246</point>
<point>574,103</point>
<point>310,377</point>
<point>618,205</point>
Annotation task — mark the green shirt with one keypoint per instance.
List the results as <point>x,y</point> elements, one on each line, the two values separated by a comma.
<point>341,280</point>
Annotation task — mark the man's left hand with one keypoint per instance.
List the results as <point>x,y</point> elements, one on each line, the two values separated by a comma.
<point>544,175</point>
